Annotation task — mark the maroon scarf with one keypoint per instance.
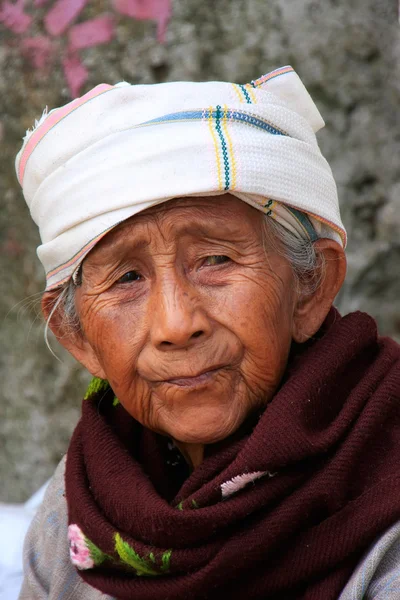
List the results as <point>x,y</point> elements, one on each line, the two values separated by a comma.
<point>323,481</point>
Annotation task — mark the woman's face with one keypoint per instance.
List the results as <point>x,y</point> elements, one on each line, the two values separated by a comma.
<point>189,316</point>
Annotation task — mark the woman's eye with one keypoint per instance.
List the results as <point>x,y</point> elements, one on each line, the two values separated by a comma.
<point>216,259</point>
<point>130,276</point>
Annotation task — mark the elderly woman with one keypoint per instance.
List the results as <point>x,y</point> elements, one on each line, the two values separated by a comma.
<point>240,438</point>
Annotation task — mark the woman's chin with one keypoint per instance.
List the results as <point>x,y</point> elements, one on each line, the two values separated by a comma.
<point>205,427</point>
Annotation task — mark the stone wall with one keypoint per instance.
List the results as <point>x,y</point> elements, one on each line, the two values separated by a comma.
<point>347,55</point>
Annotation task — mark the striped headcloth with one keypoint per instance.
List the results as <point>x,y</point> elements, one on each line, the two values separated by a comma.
<point>121,149</point>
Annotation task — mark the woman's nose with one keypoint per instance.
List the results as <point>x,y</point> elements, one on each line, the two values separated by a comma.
<point>177,317</point>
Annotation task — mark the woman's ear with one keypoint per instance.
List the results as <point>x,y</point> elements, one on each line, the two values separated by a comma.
<point>69,335</point>
<point>312,308</point>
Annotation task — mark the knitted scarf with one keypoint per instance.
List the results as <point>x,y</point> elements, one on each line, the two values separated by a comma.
<point>284,509</point>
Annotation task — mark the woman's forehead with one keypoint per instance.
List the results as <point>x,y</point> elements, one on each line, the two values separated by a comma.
<point>219,216</point>
<point>220,207</point>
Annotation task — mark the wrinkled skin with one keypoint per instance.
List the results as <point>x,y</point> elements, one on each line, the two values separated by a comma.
<point>191,318</point>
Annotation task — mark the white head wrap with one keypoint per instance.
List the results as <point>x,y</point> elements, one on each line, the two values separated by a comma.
<point>121,149</point>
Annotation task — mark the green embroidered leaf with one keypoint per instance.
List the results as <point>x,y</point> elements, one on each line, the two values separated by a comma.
<point>166,558</point>
<point>97,555</point>
<point>194,504</point>
<point>128,555</point>
<point>180,505</point>
<point>115,401</point>
<point>95,386</point>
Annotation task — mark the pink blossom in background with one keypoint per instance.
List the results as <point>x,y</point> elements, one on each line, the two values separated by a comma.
<point>13,17</point>
<point>156,10</point>
<point>58,19</point>
<point>75,72</point>
<point>62,14</point>
<point>92,32</point>
<point>38,50</point>
<point>11,245</point>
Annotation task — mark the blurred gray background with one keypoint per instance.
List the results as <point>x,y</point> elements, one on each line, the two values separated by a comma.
<point>347,54</point>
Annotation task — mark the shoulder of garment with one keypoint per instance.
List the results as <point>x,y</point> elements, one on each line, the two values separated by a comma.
<point>48,571</point>
<point>377,577</point>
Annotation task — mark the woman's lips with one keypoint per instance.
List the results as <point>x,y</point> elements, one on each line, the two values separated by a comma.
<point>198,380</point>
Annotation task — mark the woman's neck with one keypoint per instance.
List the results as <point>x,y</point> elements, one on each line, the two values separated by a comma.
<point>192,453</point>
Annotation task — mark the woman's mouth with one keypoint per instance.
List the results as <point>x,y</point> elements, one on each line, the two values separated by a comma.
<point>196,381</point>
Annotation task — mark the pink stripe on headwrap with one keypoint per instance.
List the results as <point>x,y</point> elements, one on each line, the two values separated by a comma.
<point>52,120</point>
<point>268,76</point>
<point>82,251</point>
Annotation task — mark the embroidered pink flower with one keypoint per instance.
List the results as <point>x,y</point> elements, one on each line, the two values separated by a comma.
<point>78,549</point>
<point>240,481</point>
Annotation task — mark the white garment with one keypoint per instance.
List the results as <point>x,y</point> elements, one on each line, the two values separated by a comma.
<point>120,149</point>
